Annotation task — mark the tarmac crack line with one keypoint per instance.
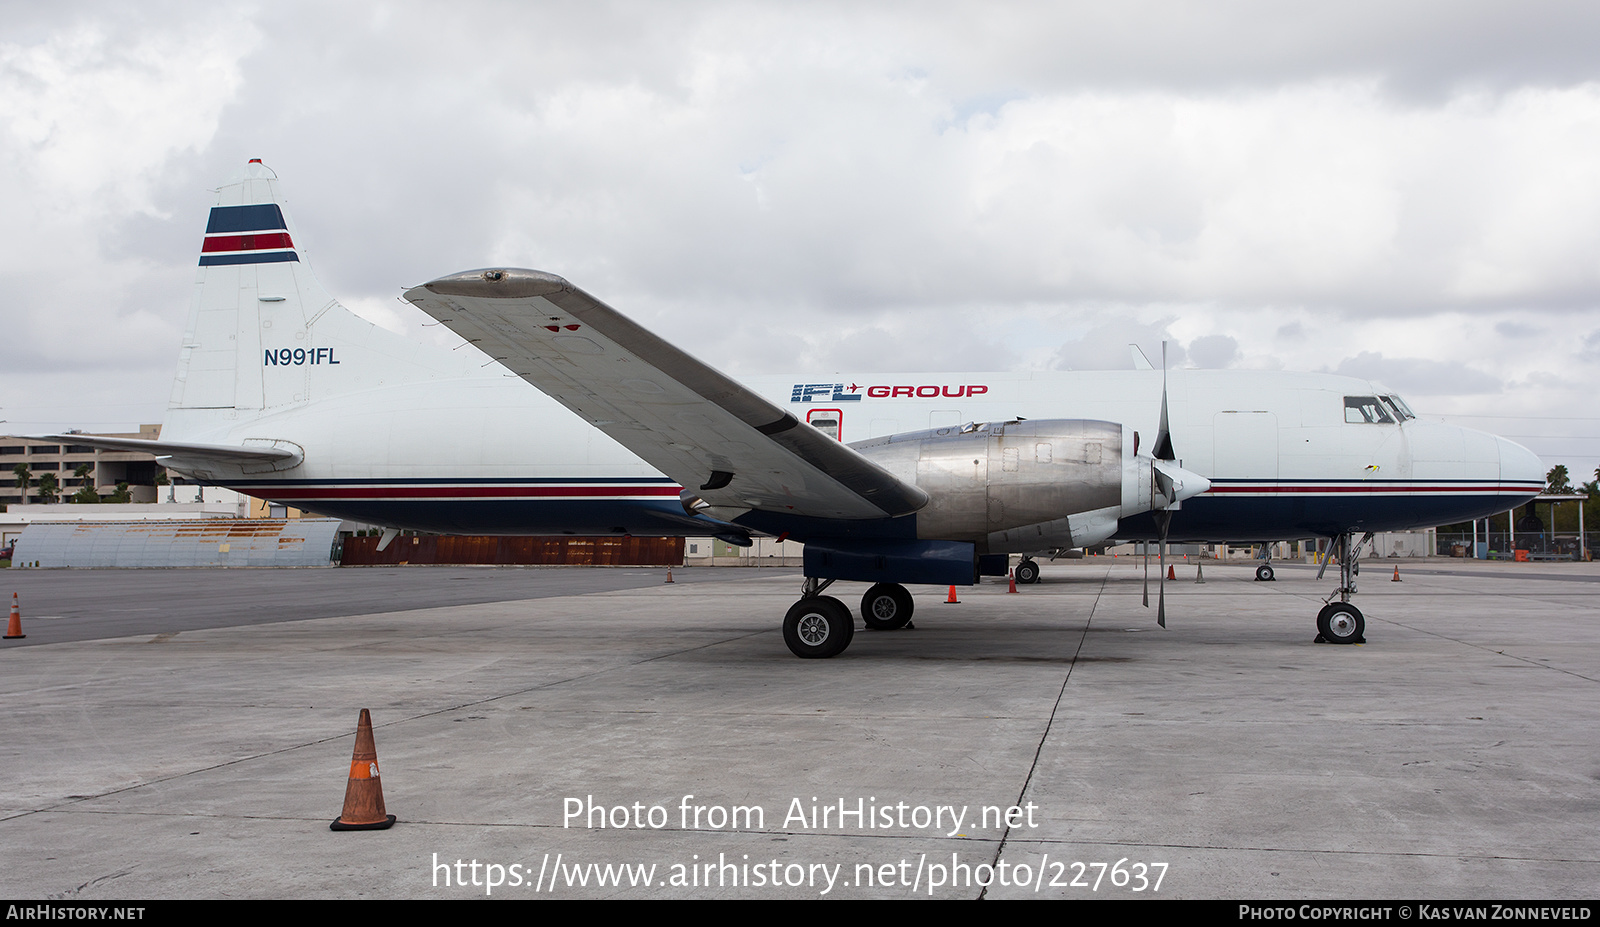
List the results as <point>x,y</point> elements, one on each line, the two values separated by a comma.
<point>1321,851</point>
<point>1044,735</point>
<point>1456,640</point>
<point>810,836</point>
<point>1487,649</point>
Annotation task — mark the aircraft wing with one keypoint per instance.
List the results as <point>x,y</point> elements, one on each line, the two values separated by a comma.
<point>702,429</point>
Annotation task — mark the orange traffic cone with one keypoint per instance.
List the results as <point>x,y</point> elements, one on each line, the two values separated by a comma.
<point>1396,575</point>
<point>952,600</point>
<point>1013,583</point>
<point>14,626</point>
<point>1171,574</point>
<point>363,797</point>
<point>669,575</point>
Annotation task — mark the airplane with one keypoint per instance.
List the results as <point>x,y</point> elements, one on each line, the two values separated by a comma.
<point>558,415</point>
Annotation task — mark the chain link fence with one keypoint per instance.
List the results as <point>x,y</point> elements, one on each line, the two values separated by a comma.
<point>1497,545</point>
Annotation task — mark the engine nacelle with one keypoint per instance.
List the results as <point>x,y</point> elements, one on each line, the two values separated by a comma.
<point>1029,485</point>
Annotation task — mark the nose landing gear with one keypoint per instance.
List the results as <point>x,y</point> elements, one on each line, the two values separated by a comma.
<point>1341,622</point>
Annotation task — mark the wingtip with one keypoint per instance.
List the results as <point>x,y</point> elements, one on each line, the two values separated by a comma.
<point>498,283</point>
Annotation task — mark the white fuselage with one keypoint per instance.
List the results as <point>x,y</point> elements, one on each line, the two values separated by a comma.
<point>485,452</point>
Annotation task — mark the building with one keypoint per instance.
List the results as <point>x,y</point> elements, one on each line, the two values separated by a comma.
<point>62,461</point>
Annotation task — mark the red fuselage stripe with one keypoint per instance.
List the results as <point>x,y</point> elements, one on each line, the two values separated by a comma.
<point>463,492</point>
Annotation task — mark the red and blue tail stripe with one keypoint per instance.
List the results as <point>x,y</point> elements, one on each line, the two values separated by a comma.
<point>247,235</point>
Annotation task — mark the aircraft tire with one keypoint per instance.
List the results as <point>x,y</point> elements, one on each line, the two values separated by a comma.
<point>1264,573</point>
<point>1027,573</point>
<point>1341,623</point>
<point>818,627</point>
<point>886,607</point>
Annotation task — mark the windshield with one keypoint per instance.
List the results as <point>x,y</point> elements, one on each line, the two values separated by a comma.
<point>1400,408</point>
<point>1366,410</point>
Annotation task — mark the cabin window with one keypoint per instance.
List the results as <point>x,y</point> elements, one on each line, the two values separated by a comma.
<point>1368,410</point>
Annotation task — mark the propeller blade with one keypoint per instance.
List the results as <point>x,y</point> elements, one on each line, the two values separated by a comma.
<point>1146,546</point>
<point>1163,486</point>
<point>1162,449</point>
<point>1161,605</point>
<point>1163,522</point>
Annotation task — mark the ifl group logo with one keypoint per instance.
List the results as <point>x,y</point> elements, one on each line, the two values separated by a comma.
<point>839,392</point>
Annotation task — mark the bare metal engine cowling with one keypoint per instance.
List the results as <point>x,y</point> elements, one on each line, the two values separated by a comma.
<point>1027,485</point>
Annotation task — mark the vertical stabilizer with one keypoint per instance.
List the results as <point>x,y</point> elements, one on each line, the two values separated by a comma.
<point>263,334</point>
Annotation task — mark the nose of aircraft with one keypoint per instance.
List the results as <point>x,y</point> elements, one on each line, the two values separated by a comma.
<point>1518,464</point>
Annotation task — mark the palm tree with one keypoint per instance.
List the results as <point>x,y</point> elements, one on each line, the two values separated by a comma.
<point>86,493</point>
<point>49,487</point>
<point>24,479</point>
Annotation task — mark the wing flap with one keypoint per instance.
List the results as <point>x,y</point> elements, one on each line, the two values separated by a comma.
<point>695,424</point>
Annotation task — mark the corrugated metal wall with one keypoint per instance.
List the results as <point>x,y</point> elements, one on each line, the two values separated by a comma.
<point>463,549</point>
<point>214,542</point>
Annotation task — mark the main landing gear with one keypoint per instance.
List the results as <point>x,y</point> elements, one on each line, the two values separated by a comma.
<point>1340,622</point>
<point>886,607</point>
<point>820,626</point>
<point>1027,572</point>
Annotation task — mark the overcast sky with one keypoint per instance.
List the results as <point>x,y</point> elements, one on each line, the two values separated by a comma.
<point>1409,192</point>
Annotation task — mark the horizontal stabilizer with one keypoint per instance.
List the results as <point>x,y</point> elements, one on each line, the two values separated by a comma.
<point>275,455</point>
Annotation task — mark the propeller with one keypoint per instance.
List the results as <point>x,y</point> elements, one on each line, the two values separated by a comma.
<point>1162,489</point>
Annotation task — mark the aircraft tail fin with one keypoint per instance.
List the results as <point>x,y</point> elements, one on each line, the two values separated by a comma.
<point>263,334</point>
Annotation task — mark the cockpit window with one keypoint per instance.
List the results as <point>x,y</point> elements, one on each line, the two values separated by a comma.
<point>1366,410</point>
<point>1402,411</point>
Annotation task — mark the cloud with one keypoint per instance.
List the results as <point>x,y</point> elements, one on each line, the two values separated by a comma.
<point>1108,345</point>
<point>1417,376</point>
<point>1214,351</point>
<point>835,186</point>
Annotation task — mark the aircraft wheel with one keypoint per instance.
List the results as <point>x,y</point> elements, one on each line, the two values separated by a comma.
<point>886,607</point>
<point>1341,623</point>
<point>1027,572</point>
<point>818,627</point>
<point>1264,573</point>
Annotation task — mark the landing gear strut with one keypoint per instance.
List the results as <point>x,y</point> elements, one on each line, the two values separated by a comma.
<point>1340,622</point>
<point>1264,571</point>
